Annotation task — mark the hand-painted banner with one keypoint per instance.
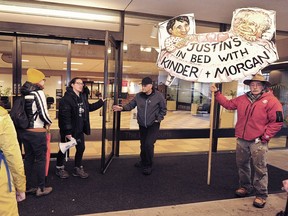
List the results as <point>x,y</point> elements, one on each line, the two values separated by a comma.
<point>219,56</point>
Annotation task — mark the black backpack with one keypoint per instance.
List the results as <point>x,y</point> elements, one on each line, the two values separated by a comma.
<point>18,114</point>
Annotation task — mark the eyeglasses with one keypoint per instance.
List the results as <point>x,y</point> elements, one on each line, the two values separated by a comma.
<point>79,83</point>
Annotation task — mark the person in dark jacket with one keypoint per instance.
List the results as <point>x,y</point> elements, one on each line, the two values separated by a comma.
<point>34,137</point>
<point>260,117</point>
<point>74,122</point>
<point>151,109</point>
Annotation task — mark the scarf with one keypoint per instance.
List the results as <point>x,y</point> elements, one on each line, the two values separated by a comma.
<point>253,97</point>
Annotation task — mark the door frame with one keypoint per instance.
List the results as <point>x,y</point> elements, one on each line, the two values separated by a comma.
<point>19,69</point>
<point>110,42</point>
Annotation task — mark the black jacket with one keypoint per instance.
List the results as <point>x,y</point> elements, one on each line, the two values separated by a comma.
<point>150,108</point>
<point>69,118</point>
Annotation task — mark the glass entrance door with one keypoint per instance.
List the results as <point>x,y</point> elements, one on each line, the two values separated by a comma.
<point>110,86</point>
<point>49,57</point>
<point>52,57</point>
<point>96,63</point>
<point>7,56</point>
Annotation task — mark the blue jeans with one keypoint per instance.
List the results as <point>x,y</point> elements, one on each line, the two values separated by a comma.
<point>245,151</point>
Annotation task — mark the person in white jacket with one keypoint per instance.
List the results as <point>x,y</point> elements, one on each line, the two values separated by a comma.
<point>34,137</point>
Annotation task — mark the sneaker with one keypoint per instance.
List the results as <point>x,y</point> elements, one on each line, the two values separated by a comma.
<point>31,191</point>
<point>139,164</point>
<point>147,170</point>
<point>62,173</point>
<point>44,191</point>
<point>79,171</point>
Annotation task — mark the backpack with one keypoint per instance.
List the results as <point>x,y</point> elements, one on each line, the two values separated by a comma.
<point>18,114</point>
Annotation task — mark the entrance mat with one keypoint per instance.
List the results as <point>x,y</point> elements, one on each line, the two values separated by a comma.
<point>174,180</point>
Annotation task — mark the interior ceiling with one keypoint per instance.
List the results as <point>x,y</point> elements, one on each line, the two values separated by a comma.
<point>216,11</point>
<point>219,11</point>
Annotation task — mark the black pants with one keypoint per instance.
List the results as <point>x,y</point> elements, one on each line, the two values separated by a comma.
<point>148,137</point>
<point>80,148</point>
<point>35,147</point>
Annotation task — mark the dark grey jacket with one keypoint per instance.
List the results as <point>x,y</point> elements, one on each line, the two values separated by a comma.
<point>149,107</point>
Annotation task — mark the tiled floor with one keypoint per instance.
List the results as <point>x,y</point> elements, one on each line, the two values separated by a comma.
<point>171,146</point>
<point>174,119</point>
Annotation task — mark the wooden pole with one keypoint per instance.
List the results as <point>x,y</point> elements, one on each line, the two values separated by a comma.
<point>210,137</point>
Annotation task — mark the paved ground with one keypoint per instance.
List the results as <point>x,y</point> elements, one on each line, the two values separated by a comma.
<point>230,207</point>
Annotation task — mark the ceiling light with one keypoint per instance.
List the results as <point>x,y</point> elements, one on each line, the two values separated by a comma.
<point>125,47</point>
<point>81,42</point>
<point>71,69</point>
<point>60,13</point>
<point>7,57</point>
<point>145,49</point>
<point>74,63</point>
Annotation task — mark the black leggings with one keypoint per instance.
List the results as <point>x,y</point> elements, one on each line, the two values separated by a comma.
<point>80,148</point>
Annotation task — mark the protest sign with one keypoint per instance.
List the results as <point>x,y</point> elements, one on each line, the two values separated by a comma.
<point>215,57</point>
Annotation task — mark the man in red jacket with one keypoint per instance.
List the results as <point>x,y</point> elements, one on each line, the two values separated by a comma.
<point>260,117</point>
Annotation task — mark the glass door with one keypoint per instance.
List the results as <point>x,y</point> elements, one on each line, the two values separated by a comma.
<point>7,78</point>
<point>52,57</point>
<point>110,86</point>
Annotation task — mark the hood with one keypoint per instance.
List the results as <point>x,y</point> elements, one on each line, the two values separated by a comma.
<point>28,87</point>
<point>3,111</point>
<point>70,92</point>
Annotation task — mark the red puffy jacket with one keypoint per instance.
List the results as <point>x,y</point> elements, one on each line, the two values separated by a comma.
<point>263,118</point>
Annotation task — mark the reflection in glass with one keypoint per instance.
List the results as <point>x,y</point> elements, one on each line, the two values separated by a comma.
<point>110,101</point>
<point>6,72</point>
